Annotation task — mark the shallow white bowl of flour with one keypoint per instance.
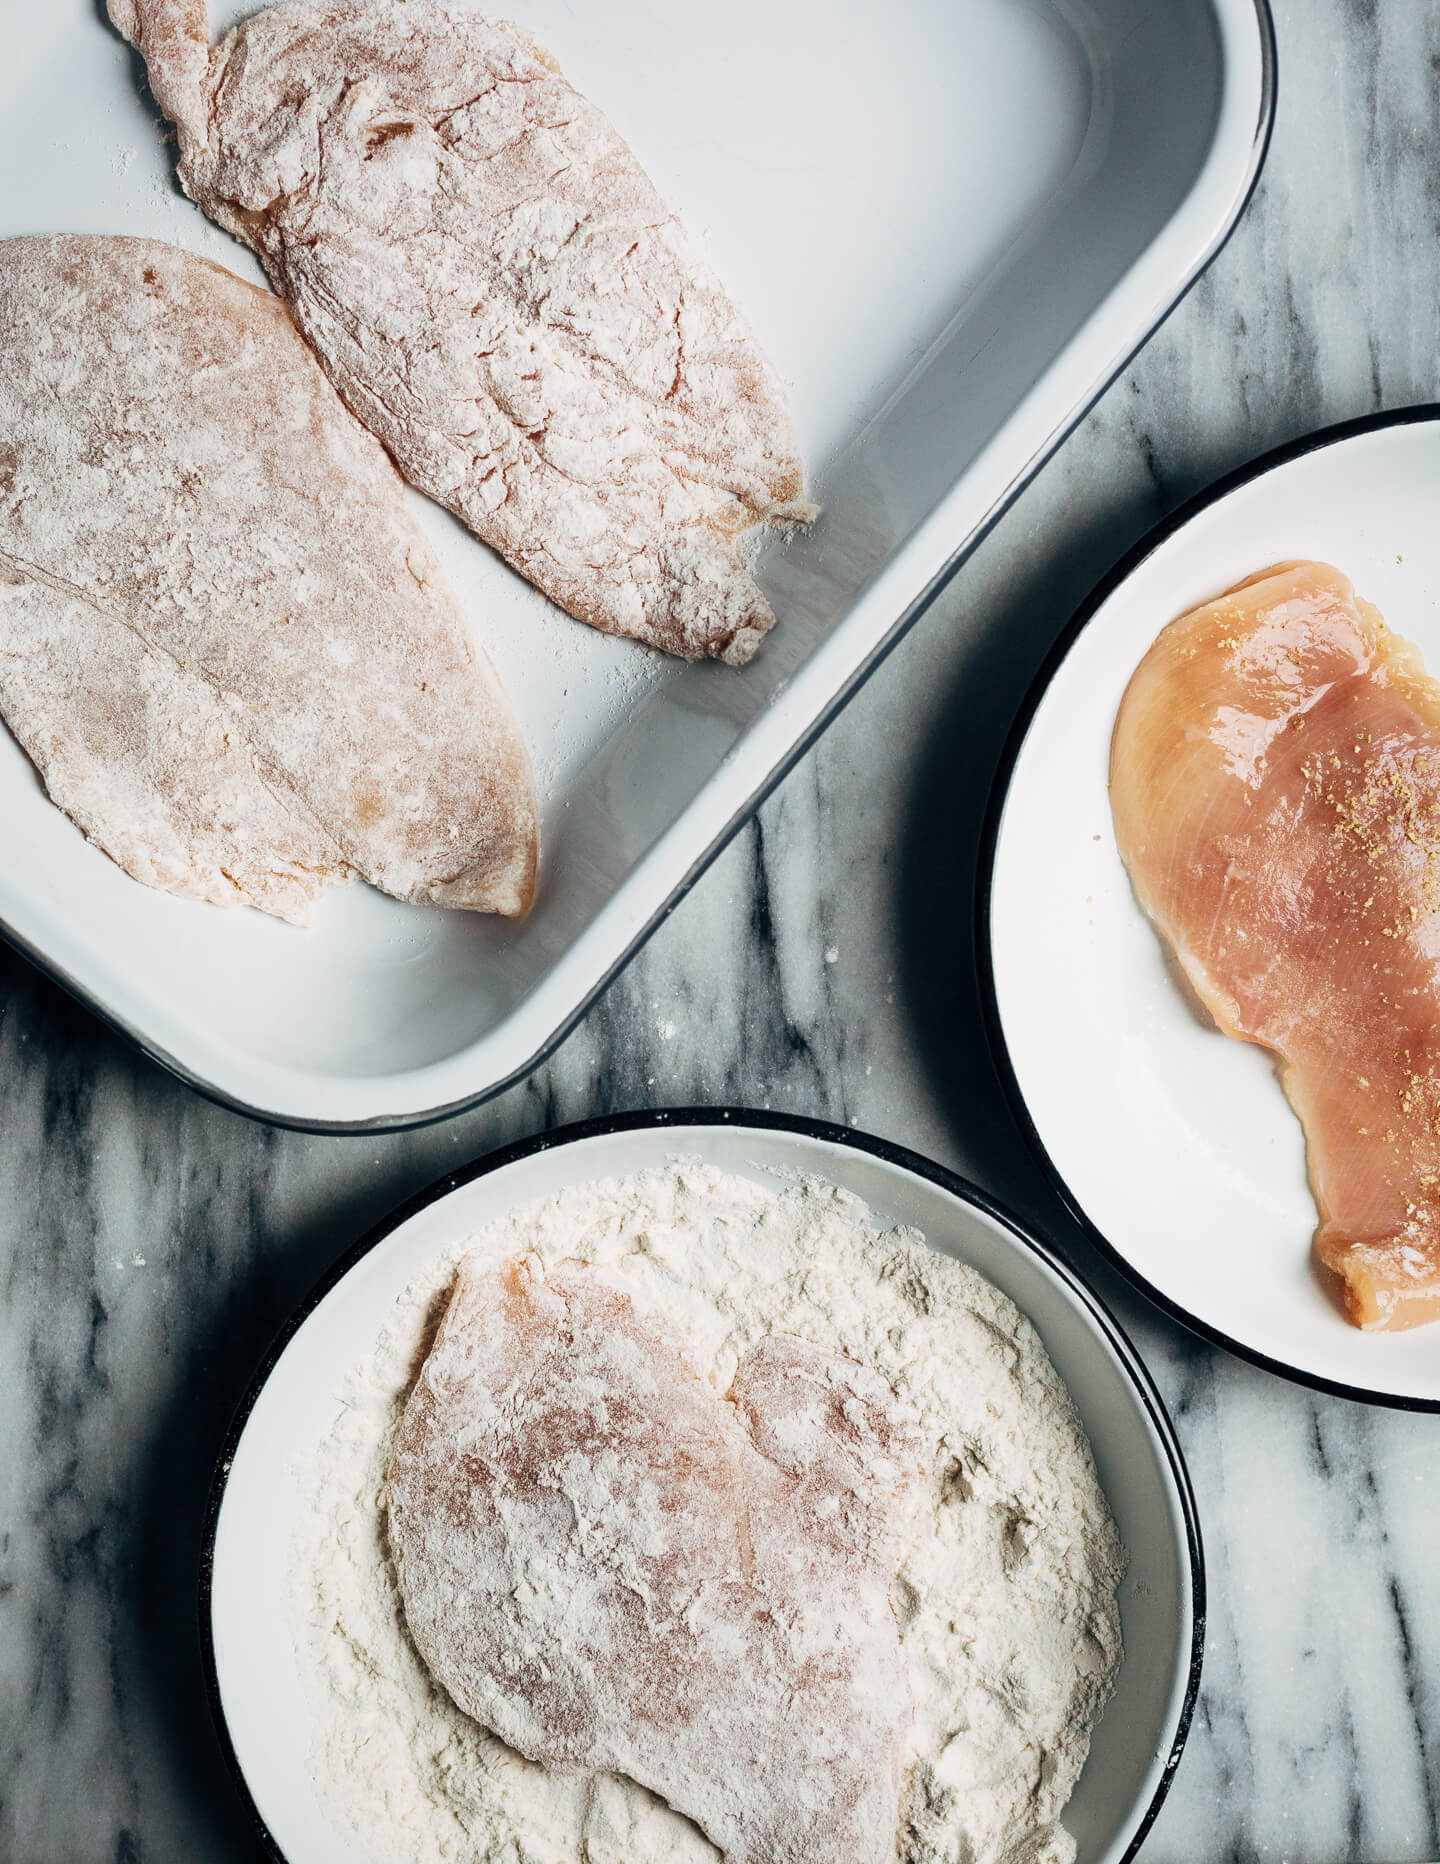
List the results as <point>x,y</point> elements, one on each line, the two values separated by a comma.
<point>264,1495</point>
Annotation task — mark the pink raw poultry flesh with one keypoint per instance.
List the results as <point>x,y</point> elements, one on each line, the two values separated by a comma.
<point>1275,783</point>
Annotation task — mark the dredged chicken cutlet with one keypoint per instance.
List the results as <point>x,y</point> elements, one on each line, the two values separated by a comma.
<point>224,642</point>
<point>498,291</point>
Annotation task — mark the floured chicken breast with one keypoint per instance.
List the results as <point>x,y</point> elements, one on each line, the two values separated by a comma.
<point>612,1567</point>
<point>499,293</point>
<point>223,641</point>
<point>1275,781</point>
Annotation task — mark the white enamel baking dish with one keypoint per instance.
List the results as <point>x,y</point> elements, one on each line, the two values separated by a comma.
<point>950,221</point>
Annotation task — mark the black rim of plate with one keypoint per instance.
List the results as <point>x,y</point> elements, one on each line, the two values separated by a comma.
<point>985,876</point>
<point>739,1118</point>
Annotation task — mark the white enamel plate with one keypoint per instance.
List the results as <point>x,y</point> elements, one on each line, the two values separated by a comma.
<point>258,1690</point>
<point>1174,1143</point>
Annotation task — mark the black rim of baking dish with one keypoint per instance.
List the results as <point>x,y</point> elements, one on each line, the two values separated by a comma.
<point>402,1122</point>
<point>1316,442</point>
<point>738,1118</point>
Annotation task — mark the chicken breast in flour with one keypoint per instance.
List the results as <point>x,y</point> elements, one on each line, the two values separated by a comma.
<point>499,293</point>
<point>614,1567</point>
<point>223,641</point>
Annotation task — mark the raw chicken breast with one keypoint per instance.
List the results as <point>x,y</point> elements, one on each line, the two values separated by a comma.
<point>615,1568</point>
<point>1275,782</point>
<point>498,291</point>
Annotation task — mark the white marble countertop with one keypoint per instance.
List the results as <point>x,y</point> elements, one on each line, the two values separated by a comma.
<point>150,1243</point>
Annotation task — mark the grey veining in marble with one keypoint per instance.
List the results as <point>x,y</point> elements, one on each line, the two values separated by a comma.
<point>150,1243</point>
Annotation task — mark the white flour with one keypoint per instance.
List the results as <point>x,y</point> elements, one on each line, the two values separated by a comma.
<point>1005,1593</point>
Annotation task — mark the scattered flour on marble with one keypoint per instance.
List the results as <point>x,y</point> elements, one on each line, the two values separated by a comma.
<point>1005,1594</point>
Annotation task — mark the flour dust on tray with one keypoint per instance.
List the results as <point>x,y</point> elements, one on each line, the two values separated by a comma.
<point>877,1430</point>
